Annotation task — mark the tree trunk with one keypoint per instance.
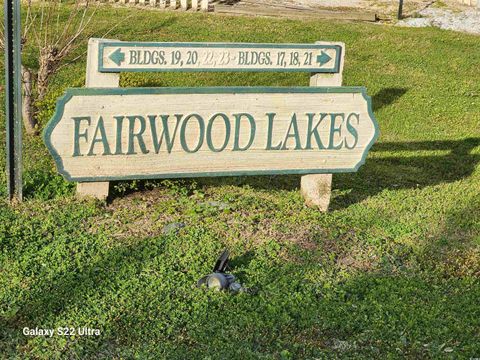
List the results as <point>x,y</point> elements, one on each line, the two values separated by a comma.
<point>28,111</point>
<point>48,64</point>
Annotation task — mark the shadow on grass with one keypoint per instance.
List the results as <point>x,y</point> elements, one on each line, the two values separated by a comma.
<point>44,184</point>
<point>407,171</point>
<point>400,168</point>
<point>387,96</point>
<point>156,313</point>
<point>116,292</point>
<point>73,287</point>
<point>239,263</point>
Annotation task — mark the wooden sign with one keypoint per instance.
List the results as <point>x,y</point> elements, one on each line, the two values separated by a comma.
<point>115,56</point>
<point>138,133</point>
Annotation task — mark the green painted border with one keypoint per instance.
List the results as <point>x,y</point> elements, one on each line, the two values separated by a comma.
<point>102,45</point>
<point>47,132</point>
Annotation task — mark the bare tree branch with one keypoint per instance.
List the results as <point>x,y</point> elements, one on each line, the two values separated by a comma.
<point>51,38</point>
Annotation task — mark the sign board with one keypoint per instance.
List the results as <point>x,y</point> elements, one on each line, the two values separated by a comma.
<point>139,133</point>
<point>115,56</point>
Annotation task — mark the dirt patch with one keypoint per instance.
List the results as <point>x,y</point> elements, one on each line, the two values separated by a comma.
<point>467,20</point>
<point>134,216</point>
<point>381,7</point>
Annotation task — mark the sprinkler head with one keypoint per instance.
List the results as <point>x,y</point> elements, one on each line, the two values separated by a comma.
<point>219,279</point>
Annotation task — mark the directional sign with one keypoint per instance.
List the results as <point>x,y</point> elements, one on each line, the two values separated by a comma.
<point>134,133</point>
<point>143,56</point>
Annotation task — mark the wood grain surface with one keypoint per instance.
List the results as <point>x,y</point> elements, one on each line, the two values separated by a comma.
<point>132,133</point>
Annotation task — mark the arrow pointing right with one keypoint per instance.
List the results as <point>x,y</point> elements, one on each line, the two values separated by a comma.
<point>117,57</point>
<point>323,58</point>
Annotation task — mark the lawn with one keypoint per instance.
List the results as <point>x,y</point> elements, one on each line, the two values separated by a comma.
<point>391,271</point>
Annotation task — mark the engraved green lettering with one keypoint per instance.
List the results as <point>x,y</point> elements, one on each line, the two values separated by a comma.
<point>351,129</point>
<point>253,126</point>
<point>334,130</point>
<point>183,140</point>
<point>77,135</point>
<point>271,117</point>
<point>226,121</point>
<point>101,139</point>
<point>169,140</point>
<point>293,125</point>
<point>313,131</point>
<point>132,135</point>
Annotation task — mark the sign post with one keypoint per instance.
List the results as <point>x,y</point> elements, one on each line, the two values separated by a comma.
<point>104,133</point>
<point>13,98</point>
<point>317,189</point>
<point>96,79</point>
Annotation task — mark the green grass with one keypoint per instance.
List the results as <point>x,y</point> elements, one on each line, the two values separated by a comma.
<point>392,271</point>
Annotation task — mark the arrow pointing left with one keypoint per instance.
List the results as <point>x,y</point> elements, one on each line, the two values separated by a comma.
<point>117,57</point>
